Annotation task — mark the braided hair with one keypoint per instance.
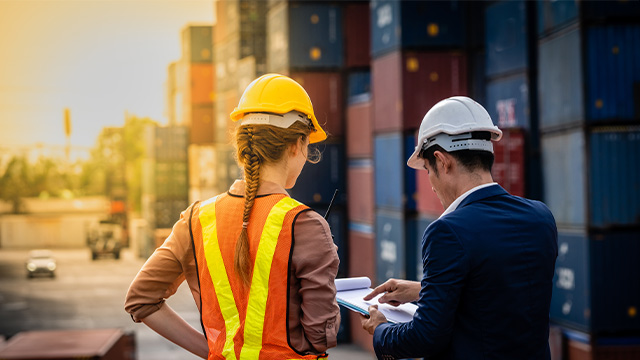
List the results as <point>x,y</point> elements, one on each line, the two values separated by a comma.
<point>257,145</point>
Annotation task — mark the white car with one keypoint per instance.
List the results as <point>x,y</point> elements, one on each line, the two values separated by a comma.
<point>41,262</point>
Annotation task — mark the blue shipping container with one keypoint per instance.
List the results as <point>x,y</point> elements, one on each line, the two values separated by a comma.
<point>610,162</point>
<point>390,245</point>
<point>595,287</point>
<point>506,37</point>
<point>554,14</point>
<point>389,170</point>
<point>416,227</point>
<point>611,10</point>
<point>317,182</point>
<point>560,80</point>
<point>614,177</point>
<point>315,36</point>
<point>398,24</point>
<point>359,83</point>
<point>508,102</point>
<point>613,73</point>
<point>410,175</point>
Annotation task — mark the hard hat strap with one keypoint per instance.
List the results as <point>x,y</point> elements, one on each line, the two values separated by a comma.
<point>464,141</point>
<point>279,120</point>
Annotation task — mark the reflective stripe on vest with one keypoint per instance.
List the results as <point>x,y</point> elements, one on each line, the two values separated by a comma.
<point>259,289</point>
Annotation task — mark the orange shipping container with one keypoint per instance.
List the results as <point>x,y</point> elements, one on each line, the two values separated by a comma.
<point>359,130</point>
<point>202,84</point>
<point>360,193</point>
<point>202,125</point>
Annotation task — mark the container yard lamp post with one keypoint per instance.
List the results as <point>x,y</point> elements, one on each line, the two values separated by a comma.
<point>67,130</point>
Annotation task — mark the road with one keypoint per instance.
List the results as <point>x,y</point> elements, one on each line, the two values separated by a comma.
<point>88,294</point>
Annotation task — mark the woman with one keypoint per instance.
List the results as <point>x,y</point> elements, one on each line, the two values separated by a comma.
<point>260,265</point>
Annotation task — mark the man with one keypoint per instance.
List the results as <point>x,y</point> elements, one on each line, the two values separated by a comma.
<point>488,260</point>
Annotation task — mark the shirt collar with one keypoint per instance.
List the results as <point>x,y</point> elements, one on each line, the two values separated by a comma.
<point>454,205</point>
<point>266,188</point>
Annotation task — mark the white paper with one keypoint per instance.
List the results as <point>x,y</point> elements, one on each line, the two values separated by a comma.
<point>351,292</point>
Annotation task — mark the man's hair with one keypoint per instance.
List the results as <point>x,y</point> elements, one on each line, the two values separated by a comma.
<point>470,159</point>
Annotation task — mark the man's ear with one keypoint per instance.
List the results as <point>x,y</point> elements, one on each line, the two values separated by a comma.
<point>445,160</point>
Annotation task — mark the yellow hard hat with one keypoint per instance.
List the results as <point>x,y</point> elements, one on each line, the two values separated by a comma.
<point>277,94</point>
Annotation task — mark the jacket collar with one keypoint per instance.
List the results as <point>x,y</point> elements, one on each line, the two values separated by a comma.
<point>482,194</point>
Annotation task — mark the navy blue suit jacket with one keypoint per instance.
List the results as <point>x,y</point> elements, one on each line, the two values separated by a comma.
<point>486,285</point>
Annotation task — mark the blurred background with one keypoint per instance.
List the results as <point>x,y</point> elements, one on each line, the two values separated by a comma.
<point>115,117</point>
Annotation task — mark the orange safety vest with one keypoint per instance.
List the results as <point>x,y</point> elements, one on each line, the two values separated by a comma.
<point>245,322</point>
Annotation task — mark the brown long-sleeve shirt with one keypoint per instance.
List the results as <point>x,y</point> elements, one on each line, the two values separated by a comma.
<point>314,315</point>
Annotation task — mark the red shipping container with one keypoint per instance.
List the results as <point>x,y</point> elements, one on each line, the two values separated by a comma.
<point>325,91</point>
<point>357,34</point>
<point>359,130</point>
<point>360,193</point>
<point>509,163</point>
<point>104,344</point>
<point>361,263</point>
<point>407,84</point>
<point>202,125</point>
<point>358,335</point>
<point>427,200</point>
<point>202,83</point>
<point>581,351</point>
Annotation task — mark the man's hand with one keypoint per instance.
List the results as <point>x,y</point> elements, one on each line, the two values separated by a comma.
<point>375,318</point>
<point>397,292</point>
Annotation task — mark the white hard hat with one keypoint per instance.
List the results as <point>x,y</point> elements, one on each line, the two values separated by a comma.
<point>450,124</point>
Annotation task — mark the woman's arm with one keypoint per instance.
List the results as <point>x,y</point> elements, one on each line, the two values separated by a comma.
<point>171,326</point>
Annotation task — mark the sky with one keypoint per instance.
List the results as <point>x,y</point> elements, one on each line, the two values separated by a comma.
<point>99,58</point>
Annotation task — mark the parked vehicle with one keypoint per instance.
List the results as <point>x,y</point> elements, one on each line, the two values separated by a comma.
<point>105,238</point>
<point>41,262</point>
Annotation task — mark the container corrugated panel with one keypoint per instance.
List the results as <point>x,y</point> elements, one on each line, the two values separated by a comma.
<point>317,182</point>
<point>227,20</point>
<point>410,176</point>
<point>277,38</point>
<point>202,83</point>
<point>564,174</point>
<point>224,127</point>
<point>202,124</point>
<point>427,78</point>
<point>386,84</point>
<point>359,83</point>
<point>202,166</point>
<point>614,177</point>
<point>415,230</point>
<point>554,14</point>
<point>246,73</point>
<point>577,350</point>
<point>227,55</point>
<point>362,254</point>
<point>428,201</point>
<point>613,72</point>
<point>167,212</point>
<point>315,36</point>
<point>171,179</point>
<point>360,191</point>
<point>357,35</point>
<point>560,80</point>
<point>570,300</point>
<point>506,37</point>
<point>416,24</point>
<point>227,168</point>
<point>615,283</point>
<point>478,90</point>
<point>406,85</point>
<point>509,163</point>
<point>325,91</point>
<point>390,245</point>
<point>389,170</point>
<point>197,44</point>
<point>171,143</point>
<point>337,220</point>
<point>611,10</point>
<point>359,130</point>
<point>508,101</point>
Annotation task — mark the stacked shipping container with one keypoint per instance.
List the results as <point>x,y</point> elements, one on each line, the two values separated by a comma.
<point>590,125</point>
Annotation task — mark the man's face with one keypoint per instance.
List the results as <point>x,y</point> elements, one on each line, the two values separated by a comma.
<point>434,179</point>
